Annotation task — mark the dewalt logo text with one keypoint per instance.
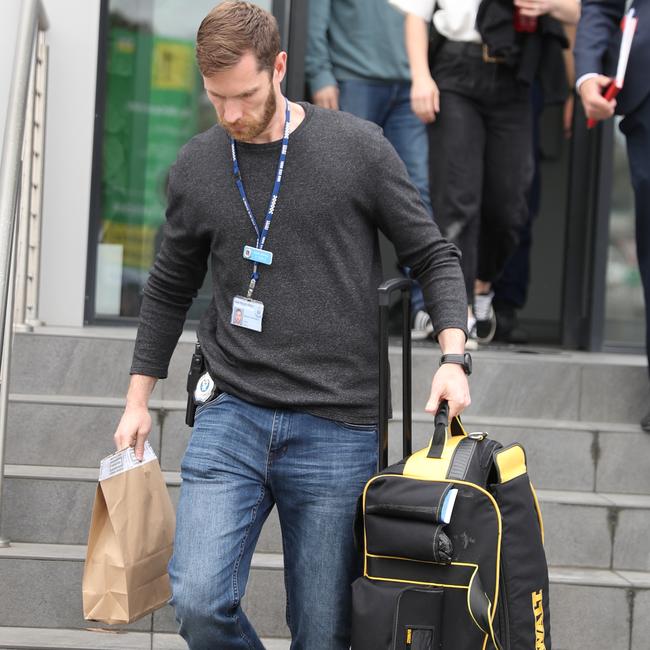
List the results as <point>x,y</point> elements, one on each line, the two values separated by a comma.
<point>538,611</point>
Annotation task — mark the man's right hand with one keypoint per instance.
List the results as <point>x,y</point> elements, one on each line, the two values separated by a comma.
<point>327,97</point>
<point>595,105</point>
<point>133,429</point>
<point>425,98</point>
<point>135,425</point>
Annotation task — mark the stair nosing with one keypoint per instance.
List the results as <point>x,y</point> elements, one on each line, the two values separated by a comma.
<point>274,561</point>
<point>542,353</point>
<point>94,401</point>
<point>417,416</point>
<point>66,473</point>
<point>173,479</point>
<point>77,553</point>
<point>534,353</point>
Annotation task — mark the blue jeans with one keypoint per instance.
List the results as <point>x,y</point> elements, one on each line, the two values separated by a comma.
<point>389,105</point>
<point>241,460</point>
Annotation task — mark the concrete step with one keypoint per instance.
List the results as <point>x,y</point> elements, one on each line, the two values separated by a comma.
<point>53,505</point>
<point>586,387</point>
<point>77,431</point>
<point>36,638</point>
<point>595,609</point>
<point>41,586</point>
<point>558,385</point>
<point>583,529</point>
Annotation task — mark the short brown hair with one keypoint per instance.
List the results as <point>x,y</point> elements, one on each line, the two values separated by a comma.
<point>230,30</point>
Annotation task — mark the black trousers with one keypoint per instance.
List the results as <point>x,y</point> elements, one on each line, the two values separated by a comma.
<point>480,159</point>
<point>636,127</point>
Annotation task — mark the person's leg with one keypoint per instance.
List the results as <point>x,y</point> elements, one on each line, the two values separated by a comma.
<point>408,134</point>
<point>383,104</point>
<point>508,174</point>
<point>511,288</point>
<point>365,99</point>
<point>317,477</point>
<point>456,149</point>
<point>636,127</point>
<point>223,503</point>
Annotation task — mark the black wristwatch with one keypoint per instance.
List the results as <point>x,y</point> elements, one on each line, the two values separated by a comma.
<point>464,360</point>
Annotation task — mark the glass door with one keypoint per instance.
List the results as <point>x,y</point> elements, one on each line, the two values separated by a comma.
<point>151,101</point>
<point>624,309</point>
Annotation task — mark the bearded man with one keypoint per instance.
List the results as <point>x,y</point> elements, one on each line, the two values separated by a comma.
<point>285,200</point>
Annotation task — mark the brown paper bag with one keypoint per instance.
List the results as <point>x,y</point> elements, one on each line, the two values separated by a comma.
<point>130,540</point>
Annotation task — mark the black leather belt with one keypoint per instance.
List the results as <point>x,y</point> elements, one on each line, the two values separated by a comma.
<point>466,48</point>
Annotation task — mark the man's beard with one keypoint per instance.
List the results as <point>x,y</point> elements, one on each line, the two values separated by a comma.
<point>249,129</point>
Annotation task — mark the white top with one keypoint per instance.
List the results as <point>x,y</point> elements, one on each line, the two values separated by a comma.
<point>454,19</point>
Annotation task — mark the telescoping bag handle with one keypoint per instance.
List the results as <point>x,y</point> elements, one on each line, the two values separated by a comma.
<point>441,420</point>
<point>385,292</point>
<point>440,424</point>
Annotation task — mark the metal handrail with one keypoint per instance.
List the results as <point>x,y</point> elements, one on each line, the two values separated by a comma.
<point>31,206</point>
<point>33,20</point>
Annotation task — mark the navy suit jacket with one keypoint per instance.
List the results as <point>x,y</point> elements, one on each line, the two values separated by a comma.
<point>597,43</point>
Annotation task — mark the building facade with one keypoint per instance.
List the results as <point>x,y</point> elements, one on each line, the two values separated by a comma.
<point>125,94</point>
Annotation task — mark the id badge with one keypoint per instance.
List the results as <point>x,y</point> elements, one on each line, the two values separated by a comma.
<point>247,313</point>
<point>204,389</point>
<point>258,255</point>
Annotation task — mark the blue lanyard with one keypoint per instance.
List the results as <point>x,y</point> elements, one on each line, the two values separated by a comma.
<point>261,237</point>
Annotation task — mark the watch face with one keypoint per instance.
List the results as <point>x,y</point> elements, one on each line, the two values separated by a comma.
<point>468,363</point>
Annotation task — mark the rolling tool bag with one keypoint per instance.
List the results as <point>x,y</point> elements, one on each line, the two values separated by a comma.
<point>451,537</point>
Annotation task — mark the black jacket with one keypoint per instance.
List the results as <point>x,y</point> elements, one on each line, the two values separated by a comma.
<point>597,43</point>
<point>533,56</point>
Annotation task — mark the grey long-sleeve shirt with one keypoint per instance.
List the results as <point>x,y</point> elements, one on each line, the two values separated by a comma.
<point>317,351</point>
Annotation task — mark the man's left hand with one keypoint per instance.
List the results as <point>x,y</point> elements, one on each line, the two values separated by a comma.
<point>449,383</point>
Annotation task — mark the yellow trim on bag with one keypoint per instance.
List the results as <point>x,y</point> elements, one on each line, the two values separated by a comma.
<point>469,606</point>
<point>432,469</point>
<point>493,608</point>
<point>539,512</point>
<point>417,582</point>
<point>410,559</point>
<point>511,463</point>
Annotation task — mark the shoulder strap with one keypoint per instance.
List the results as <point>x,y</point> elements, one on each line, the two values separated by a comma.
<point>472,460</point>
<point>462,459</point>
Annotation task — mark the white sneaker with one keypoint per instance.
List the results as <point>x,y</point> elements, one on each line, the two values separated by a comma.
<point>422,326</point>
<point>471,344</point>
<point>486,320</point>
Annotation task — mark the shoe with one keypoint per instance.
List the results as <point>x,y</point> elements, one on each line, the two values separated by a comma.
<point>645,422</point>
<point>508,328</point>
<point>422,326</point>
<point>471,344</point>
<point>486,320</point>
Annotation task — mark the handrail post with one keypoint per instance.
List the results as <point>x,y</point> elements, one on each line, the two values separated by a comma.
<point>24,211</point>
<point>38,169</point>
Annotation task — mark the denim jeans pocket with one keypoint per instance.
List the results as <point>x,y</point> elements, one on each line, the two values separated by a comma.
<point>351,426</point>
<point>220,397</point>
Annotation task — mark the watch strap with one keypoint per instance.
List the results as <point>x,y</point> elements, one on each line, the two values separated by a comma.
<point>460,359</point>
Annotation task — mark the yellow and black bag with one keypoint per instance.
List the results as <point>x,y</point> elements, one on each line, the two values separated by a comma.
<point>451,539</point>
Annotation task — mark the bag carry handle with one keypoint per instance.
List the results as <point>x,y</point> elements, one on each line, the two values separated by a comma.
<point>385,291</point>
<point>440,424</point>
